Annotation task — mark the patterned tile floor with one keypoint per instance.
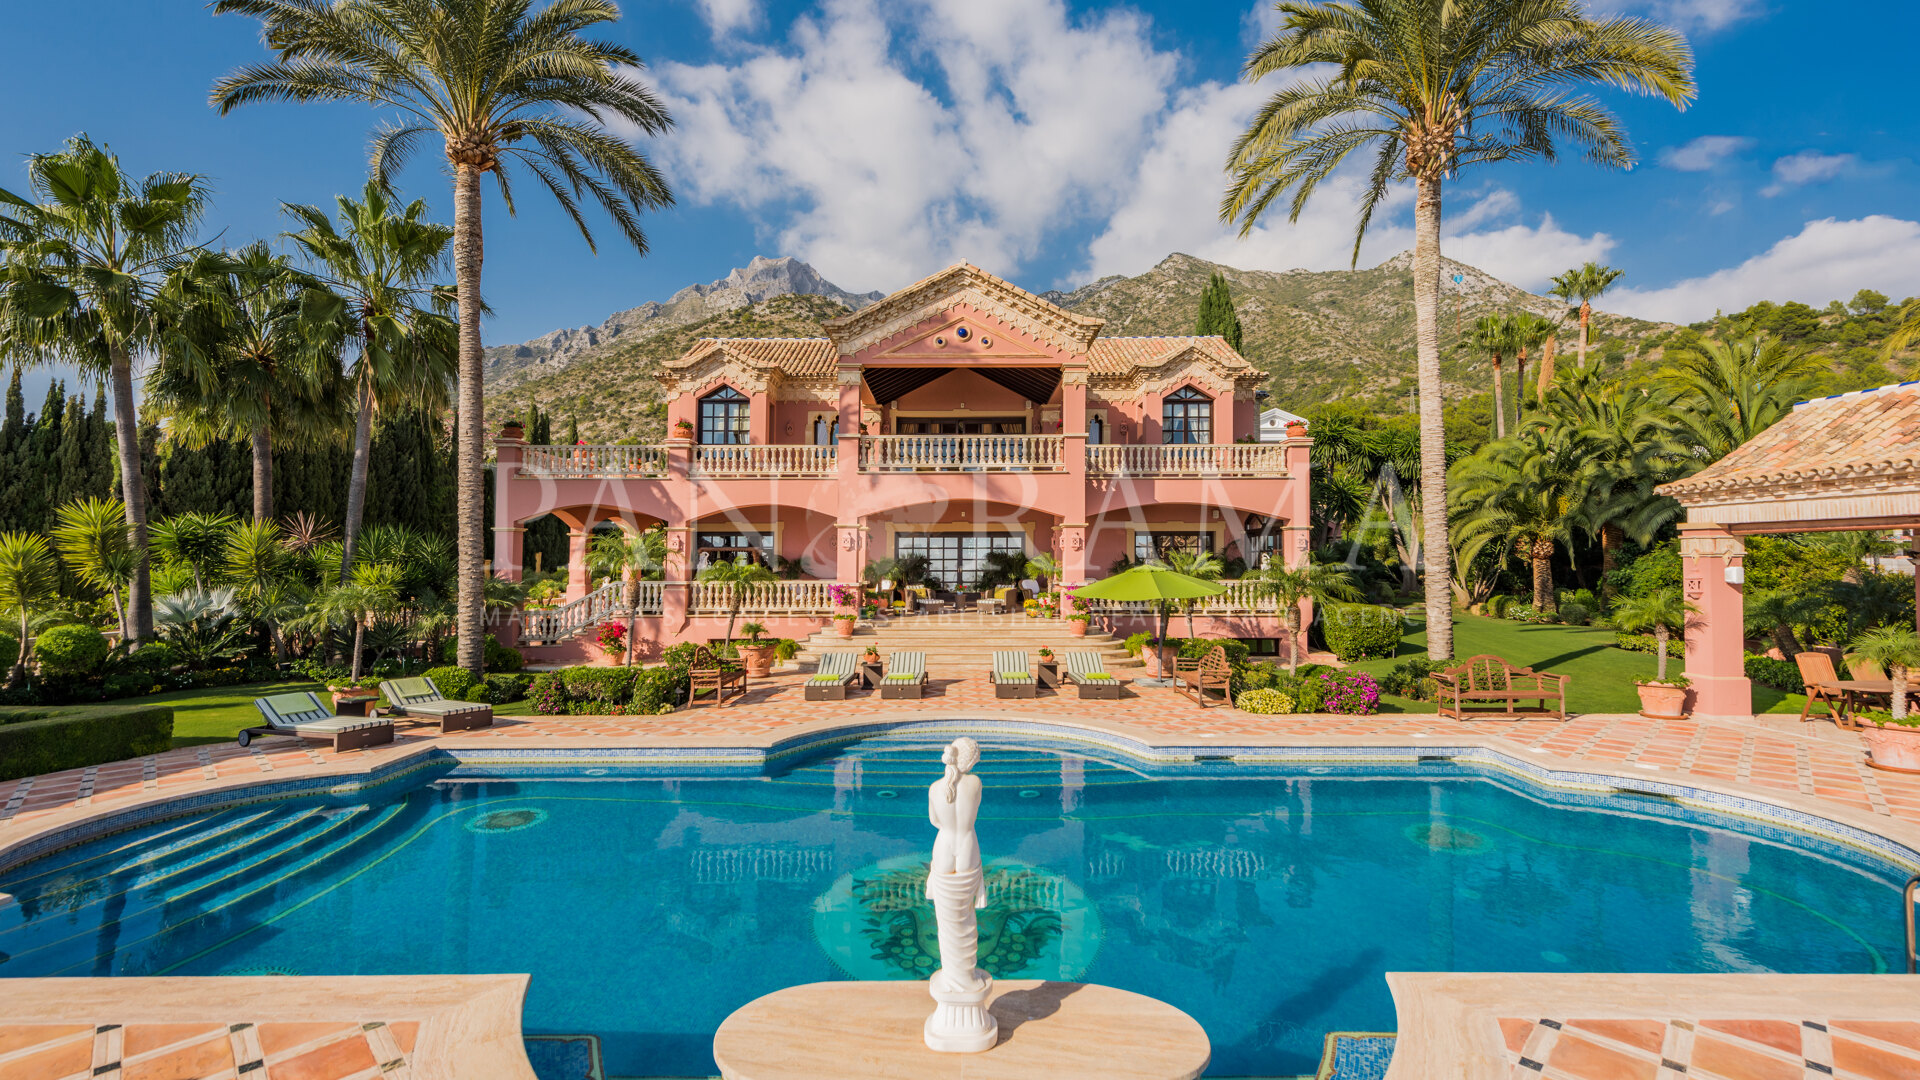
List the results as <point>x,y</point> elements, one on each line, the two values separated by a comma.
<point>1549,1049</point>
<point>321,1050</point>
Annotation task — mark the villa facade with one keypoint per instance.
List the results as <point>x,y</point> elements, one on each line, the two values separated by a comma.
<point>957,417</point>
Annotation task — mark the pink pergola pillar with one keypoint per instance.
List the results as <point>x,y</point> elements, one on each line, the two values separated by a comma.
<point>508,552</point>
<point>577,575</point>
<point>1716,630</point>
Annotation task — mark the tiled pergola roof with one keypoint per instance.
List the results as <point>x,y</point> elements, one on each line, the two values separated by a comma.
<point>1847,458</point>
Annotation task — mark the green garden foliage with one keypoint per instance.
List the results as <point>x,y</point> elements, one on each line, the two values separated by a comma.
<point>599,689</point>
<point>75,650</point>
<point>1412,679</point>
<point>499,657</point>
<point>48,458</point>
<point>1657,570</point>
<point>503,688</point>
<point>1361,631</point>
<point>1217,316</point>
<point>1778,674</point>
<point>1264,703</point>
<point>455,683</point>
<point>34,741</point>
<point>609,691</point>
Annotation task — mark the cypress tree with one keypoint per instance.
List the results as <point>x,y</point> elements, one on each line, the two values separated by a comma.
<point>34,488</point>
<point>13,442</point>
<point>1217,314</point>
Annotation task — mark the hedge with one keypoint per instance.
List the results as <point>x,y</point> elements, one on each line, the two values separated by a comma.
<point>35,741</point>
<point>1778,674</point>
<point>1362,631</point>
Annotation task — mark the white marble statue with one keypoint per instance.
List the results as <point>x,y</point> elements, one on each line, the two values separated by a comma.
<point>956,884</point>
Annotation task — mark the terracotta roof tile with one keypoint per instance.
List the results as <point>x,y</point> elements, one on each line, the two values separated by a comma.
<point>1119,355</point>
<point>798,357</point>
<point>1862,435</point>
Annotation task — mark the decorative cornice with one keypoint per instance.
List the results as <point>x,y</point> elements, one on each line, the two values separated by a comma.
<point>963,284</point>
<point>1864,478</point>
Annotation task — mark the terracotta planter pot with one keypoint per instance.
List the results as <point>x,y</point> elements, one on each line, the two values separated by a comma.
<point>1892,747</point>
<point>758,659</point>
<point>843,628</point>
<point>1662,702</point>
<point>1076,628</point>
<point>1151,657</point>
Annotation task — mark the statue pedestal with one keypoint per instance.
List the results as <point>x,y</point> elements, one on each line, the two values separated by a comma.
<point>961,1022</point>
<point>877,1031</point>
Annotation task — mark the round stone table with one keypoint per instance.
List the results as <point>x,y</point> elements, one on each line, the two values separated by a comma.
<point>872,1031</point>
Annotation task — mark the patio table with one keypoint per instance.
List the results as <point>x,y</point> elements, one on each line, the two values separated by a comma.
<point>1858,693</point>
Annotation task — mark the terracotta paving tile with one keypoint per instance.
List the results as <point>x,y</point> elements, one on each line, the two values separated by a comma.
<point>53,1063</point>
<point>16,1039</point>
<point>1872,1062</point>
<point>1783,1035</point>
<point>146,1038</point>
<point>1578,1059</point>
<point>1899,1032</point>
<point>404,1034</point>
<point>277,1039</point>
<point>1644,1034</point>
<point>1514,1032</point>
<point>330,1062</point>
<point>201,1059</point>
<point>1721,1058</point>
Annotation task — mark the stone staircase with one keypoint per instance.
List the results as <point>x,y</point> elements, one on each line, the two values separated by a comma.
<point>963,644</point>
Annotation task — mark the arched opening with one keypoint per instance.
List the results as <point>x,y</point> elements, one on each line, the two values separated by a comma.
<point>1096,430</point>
<point>1186,416</point>
<point>724,418</point>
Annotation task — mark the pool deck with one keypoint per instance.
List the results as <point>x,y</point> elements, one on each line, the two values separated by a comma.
<point>1811,768</point>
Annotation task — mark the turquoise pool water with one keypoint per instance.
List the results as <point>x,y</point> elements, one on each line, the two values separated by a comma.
<point>1267,902</point>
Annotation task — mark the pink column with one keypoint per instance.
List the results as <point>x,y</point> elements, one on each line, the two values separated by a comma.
<point>1716,630</point>
<point>850,550</point>
<point>850,532</point>
<point>577,577</point>
<point>680,518</point>
<point>507,535</point>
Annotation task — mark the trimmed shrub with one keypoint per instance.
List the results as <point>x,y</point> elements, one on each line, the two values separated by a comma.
<point>549,694</point>
<point>1644,643</point>
<point>1497,607</point>
<point>598,691</point>
<point>34,741</point>
<point>128,684</point>
<point>503,688</point>
<point>1575,614</point>
<point>1195,648</point>
<point>1779,674</point>
<point>1412,679</point>
<point>454,682</point>
<point>1362,631</point>
<point>157,658</point>
<point>498,657</point>
<point>680,655</point>
<point>1264,703</point>
<point>659,690</point>
<point>72,651</point>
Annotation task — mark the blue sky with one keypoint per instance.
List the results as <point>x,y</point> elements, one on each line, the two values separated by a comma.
<point>1051,142</point>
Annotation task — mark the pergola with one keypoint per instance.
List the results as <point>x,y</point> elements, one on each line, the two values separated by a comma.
<point>1850,462</point>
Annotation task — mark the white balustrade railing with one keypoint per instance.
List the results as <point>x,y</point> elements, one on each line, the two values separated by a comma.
<point>1244,597</point>
<point>763,598</point>
<point>606,602</point>
<point>1187,459</point>
<point>568,461</point>
<point>769,459</point>
<point>968,453</point>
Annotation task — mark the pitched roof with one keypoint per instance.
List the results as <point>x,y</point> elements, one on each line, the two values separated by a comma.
<point>1120,355</point>
<point>797,357</point>
<point>964,282</point>
<point>1860,440</point>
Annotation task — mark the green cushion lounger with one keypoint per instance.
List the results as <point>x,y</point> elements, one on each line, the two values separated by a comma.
<point>829,681</point>
<point>307,716</point>
<point>1088,674</point>
<point>906,675</point>
<point>1012,678</point>
<point>420,699</point>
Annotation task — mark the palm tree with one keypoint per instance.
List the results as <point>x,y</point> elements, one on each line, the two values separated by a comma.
<point>196,541</point>
<point>1581,288</point>
<point>1775,611</point>
<point>91,535</point>
<point>499,84</point>
<point>1638,439</point>
<point>735,575</point>
<point>633,557</point>
<point>1318,582</point>
<point>258,564</point>
<point>80,272</point>
<point>1896,648</point>
<point>1435,86</point>
<point>1204,565</point>
<point>1525,491</point>
<point>1492,335</point>
<point>379,269</point>
<point>1529,331</point>
<point>1661,613</point>
<point>249,369</point>
<point>29,579</point>
<point>1726,392</point>
<point>373,590</point>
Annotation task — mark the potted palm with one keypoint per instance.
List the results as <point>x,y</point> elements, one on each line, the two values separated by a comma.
<point>757,655</point>
<point>1893,737</point>
<point>1292,586</point>
<point>1657,613</point>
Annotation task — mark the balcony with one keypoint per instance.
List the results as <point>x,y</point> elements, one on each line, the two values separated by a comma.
<point>771,459</point>
<point>564,462</point>
<point>1188,459</point>
<point>962,453</point>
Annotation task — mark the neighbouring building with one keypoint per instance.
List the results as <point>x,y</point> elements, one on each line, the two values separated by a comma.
<point>957,417</point>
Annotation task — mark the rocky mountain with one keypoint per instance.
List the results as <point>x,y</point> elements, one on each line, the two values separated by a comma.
<point>760,280</point>
<point>1321,335</point>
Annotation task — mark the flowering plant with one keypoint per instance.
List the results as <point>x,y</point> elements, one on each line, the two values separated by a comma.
<point>1354,693</point>
<point>844,595</point>
<point>612,637</point>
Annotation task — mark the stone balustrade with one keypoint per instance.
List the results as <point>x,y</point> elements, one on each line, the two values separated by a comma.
<point>1188,459</point>
<point>962,453</point>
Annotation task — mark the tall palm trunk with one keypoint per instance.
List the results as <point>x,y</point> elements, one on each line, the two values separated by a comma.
<point>1433,449</point>
<point>1546,368</point>
<point>1541,554</point>
<point>1785,641</point>
<point>1586,316</point>
<point>359,645</point>
<point>17,675</point>
<point>1519,386</point>
<point>1660,636</point>
<point>357,479</point>
<point>262,474</point>
<point>1899,698</point>
<point>468,253</point>
<point>133,492</point>
<point>1611,537</point>
<point>633,614</point>
<point>1499,400</point>
<point>1293,640</point>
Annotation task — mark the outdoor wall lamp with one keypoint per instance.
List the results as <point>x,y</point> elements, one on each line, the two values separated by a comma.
<point>1736,575</point>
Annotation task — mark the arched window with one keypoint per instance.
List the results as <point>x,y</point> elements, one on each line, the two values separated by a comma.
<point>1096,430</point>
<point>723,417</point>
<point>1186,416</point>
<point>826,431</point>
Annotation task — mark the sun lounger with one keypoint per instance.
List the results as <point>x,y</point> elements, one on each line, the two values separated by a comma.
<point>1088,674</point>
<point>307,716</point>
<point>420,699</point>
<point>830,680</point>
<point>906,675</point>
<point>1012,678</point>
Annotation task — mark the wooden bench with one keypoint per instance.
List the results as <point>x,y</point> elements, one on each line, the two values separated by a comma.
<point>1492,680</point>
<point>1210,672</point>
<point>709,672</point>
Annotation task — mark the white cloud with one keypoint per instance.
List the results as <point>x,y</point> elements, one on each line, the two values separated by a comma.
<point>1703,153</point>
<point>726,16</point>
<point>1828,259</point>
<point>1807,167</point>
<point>884,140</point>
<point>1691,14</point>
<point>1527,256</point>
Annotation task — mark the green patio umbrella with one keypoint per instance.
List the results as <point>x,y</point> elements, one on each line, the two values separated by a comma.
<point>1151,583</point>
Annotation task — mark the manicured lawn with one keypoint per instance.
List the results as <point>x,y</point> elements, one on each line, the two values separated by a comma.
<point>216,714</point>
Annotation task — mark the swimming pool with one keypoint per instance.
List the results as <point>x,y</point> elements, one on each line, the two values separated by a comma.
<point>1265,900</point>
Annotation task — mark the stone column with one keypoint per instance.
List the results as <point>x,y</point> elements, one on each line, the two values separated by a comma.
<point>507,550</point>
<point>676,594</point>
<point>850,552</point>
<point>577,576</point>
<point>1716,631</point>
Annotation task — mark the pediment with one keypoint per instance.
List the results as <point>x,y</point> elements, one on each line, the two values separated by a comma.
<point>960,335</point>
<point>1048,326</point>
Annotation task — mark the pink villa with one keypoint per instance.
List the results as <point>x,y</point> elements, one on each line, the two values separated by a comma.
<point>957,417</point>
